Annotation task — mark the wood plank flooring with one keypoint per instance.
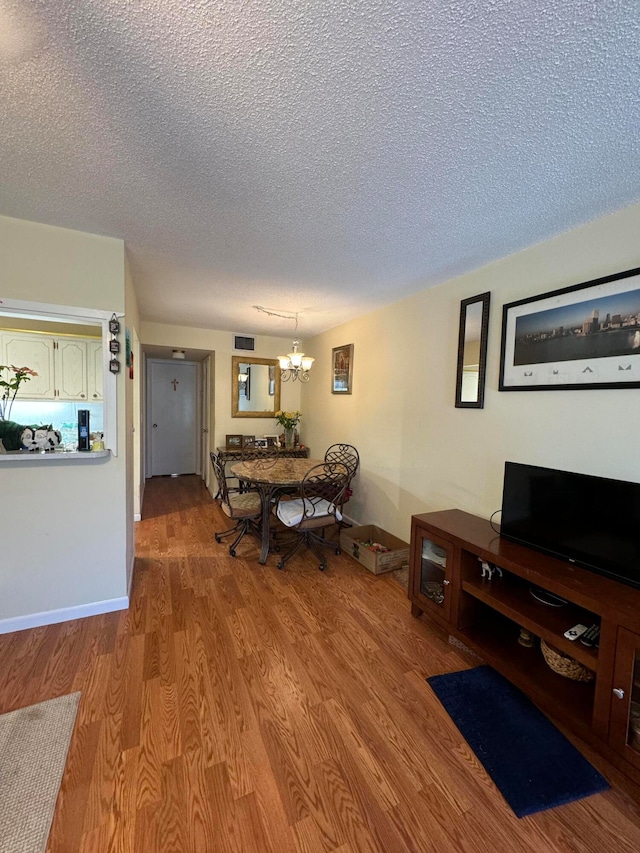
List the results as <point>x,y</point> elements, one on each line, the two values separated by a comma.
<point>237,708</point>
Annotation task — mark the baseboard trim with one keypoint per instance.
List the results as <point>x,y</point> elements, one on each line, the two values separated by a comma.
<point>64,614</point>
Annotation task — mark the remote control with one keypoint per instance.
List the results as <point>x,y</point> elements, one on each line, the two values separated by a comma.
<point>575,632</point>
<point>591,637</point>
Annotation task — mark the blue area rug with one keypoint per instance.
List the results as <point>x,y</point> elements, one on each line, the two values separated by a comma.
<point>532,763</point>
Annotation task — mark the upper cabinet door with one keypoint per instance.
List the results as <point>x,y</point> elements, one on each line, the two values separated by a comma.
<point>71,369</point>
<point>35,352</point>
<point>94,362</point>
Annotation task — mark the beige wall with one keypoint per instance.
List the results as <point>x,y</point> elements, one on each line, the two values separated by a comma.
<point>63,525</point>
<point>220,343</point>
<point>418,451</point>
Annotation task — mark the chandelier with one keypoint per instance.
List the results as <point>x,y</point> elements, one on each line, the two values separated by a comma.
<point>295,365</point>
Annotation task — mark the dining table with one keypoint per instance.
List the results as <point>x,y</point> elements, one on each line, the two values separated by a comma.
<point>270,476</point>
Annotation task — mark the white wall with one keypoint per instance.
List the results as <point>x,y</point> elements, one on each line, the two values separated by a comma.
<point>63,525</point>
<point>420,453</point>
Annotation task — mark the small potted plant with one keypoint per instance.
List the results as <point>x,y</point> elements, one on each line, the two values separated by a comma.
<point>288,420</point>
<point>11,378</point>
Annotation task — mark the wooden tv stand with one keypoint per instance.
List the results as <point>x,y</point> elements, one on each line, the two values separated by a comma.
<point>486,615</point>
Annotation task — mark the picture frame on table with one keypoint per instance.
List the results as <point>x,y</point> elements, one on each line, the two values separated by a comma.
<point>247,439</point>
<point>260,442</point>
<point>272,440</point>
<point>234,442</point>
<point>342,369</point>
<point>580,337</point>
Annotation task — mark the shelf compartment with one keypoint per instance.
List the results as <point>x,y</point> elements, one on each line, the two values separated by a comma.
<point>511,597</point>
<point>496,639</point>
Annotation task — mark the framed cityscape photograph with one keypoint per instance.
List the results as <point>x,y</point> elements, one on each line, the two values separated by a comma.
<point>342,369</point>
<point>583,336</point>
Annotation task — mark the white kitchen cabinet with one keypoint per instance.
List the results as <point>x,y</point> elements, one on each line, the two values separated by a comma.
<point>68,368</point>
<point>33,351</point>
<point>70,364</point>
<point>95,371</point>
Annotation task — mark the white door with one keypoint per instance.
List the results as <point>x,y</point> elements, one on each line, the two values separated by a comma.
<point>173,417</point>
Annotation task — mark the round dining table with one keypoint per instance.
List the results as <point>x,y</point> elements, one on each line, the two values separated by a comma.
<point>269,475</point>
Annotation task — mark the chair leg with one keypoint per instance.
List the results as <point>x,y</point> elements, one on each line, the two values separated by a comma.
<point>223,533</point>
<point>312,541</point>
<point>239,528</point>
<point>300,541</point>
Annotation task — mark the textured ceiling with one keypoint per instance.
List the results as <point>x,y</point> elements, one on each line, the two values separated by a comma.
<point>324,157</point>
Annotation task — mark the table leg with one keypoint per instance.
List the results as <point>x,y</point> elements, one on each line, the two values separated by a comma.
<point>266,493</point>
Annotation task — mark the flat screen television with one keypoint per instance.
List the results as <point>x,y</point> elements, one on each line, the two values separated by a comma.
<point>593,522</point>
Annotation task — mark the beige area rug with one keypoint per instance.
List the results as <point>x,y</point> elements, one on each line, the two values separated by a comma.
<point>33,751</point>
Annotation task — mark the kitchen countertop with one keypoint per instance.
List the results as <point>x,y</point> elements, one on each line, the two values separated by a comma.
<point>47,455</point>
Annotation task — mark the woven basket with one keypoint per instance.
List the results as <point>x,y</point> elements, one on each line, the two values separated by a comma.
<point>564,665</point>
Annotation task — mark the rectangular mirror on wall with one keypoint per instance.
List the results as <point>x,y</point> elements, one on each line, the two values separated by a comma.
<point>255,387</point>
<point>472,351</point>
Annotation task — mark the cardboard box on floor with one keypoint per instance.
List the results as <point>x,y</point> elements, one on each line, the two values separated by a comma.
<point>351,539</point>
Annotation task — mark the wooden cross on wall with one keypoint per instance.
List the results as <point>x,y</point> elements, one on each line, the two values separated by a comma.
<point>175,383</point>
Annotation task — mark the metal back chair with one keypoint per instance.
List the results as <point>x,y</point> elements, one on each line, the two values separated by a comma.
<point>349,456</point>
<point>263,457</point>
<point>245,508</point>
<point>316,508</point>
<point>346,454</point>
<point>266,457</point>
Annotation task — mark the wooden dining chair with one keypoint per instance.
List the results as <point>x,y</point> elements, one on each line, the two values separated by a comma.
<point>245,508</point>
<point>315,508</point>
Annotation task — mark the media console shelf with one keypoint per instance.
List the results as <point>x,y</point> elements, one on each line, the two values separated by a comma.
<point>446,584</point>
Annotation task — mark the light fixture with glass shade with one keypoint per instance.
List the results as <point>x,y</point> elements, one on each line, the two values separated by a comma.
<point>295,365</point>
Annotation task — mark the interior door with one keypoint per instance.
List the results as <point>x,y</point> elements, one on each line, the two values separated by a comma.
<point>173,417</point>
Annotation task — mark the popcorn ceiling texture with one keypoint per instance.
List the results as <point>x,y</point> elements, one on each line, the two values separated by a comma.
<point>319,156</point>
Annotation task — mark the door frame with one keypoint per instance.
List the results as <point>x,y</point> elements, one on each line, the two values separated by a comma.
<point>205,422</point>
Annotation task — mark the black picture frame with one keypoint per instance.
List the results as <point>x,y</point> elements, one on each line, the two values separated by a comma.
<point>584,336</point>
<point>234,442</point>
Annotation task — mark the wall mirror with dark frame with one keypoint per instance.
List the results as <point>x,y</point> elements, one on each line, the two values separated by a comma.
<point>472,351</point>
<point>255,387</point>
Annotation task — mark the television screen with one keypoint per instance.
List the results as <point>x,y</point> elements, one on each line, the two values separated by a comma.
<point>591,521</point>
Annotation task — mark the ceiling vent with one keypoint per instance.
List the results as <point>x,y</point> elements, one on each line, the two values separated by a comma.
<point>244,342</point>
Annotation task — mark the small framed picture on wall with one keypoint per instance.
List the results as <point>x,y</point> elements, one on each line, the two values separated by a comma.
<point>342,369</point>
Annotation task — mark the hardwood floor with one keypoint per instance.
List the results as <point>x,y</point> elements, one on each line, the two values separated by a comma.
<point>238,708</point>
